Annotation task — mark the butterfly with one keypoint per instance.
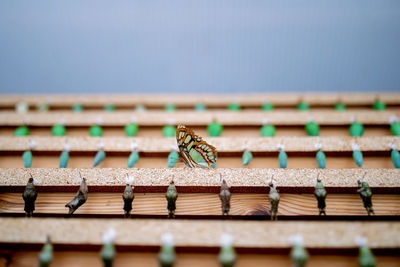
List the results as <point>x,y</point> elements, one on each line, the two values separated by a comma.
<point>193,150</point>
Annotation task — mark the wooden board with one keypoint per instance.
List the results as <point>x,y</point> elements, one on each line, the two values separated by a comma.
<point>206,204</point>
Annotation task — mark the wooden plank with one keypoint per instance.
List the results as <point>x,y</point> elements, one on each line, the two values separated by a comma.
<point>227,118</point>
<point>296,179</point>
<point>206,204</point>
<point>209,99</point>
<point>205,233</point>
<point>222,144</point>
<point>91,258</point>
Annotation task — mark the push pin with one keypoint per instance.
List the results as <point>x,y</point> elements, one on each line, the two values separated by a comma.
<point>282,156</point>
<point>80,197</point>
<point>29,197</point>
<point>172,196</point>
<point>320,194</point>
<point>247,156</point>
<point>46,255</point>
<point>225,197</point>
<point>134,156</point>
<point>173,157</point>
<point>320,156</point>
<point>128,196</point>
<point>108,251</point>
<point>167,256</point>
<point>366,195</point>
<point>273,199</point>
<point>100,155</point>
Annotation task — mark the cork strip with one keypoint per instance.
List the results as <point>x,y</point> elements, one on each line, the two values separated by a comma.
<point>186,177</point>
<point>209,99</point>
<point>227,118</point>
<point>245,234</point>
<point>222,144</point>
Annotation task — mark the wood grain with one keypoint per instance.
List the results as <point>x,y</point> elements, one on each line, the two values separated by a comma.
<point>204,204</point>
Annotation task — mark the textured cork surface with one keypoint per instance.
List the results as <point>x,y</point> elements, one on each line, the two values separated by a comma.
<point>227,118</point>
<point>187,177</point>
<point>222,144</point>
<point>246,234</point>
<point>210,99</point>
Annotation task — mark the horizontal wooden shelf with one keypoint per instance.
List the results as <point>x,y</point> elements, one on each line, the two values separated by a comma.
<point>209,99</point>
<point>206,205</point>
<point>227,118</point>
<point>201,180</point>
<point>189,233</point>
<point>222,144</point>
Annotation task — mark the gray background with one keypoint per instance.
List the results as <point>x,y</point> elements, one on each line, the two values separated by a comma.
<point>199,46</point>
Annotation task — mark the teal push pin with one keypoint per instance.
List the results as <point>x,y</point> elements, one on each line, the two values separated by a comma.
<point>100,155</point>
<point>321,158</point>
<point>169,130</point>
<point>215,129</point>
<point>59,128</point>
<point>22,131</point>
<point>227,254</point>
<point>267,130</point>
<point>282,156</point>
<point>78,107</point>
<point>356,129</point>
<point>379,105</point>
<point>234,106</point>
<point>167,256</point>
<point>312,128</point>
<point>357,155</point>
<point>170,107</point>
<point>21,107</point>
<point>131,128</point>
<point>298,253</point>
<point>247,156</point>
<point>134,156</point>
<point>108,252</point>
<point>96,130</point>
<point>109,107</point>
<point>64,157</point>
<point>46,255</point>
<point>173,157</point>
<point>27,155</point>
<point>365,257</point>
<point>200,107</point>
<point>394,125</point>
<point>395,155</point>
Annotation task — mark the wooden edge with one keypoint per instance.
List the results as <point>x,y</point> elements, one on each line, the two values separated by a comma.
<point>209,99</point>
<point>186,177</point>
<point>246,234</point>
<point>222,144</point>
<point>227,118</point>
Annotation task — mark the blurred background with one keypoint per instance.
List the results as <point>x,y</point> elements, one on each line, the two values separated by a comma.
<point>199,46</point>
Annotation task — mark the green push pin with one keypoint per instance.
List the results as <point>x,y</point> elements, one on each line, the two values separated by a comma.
<point>215,129</point>
<point>169,130</point>
<point>246,157</point>
<point>234,106</point>
<point>267,106</point>
<point>200,107</point>
<point>96,130</point>
<point>77,107</point>
<point>170,107</point>
<point>131,128</point>
<point>267,130</point>
<point>21,131</point>
<point>357,155</point>
<point>46,255</point>
<point>379,105</point>
<point>167,256</point>
<point>365,257</point>
<point>298,253</point>
<point>356,129</point>
<point>108,250</point>
<point>394,125</point>
<point>282,156</point>
<point>109,107</point>
<point>27,155</point>
<point>340,106</point>
<point>227,254</point>
<point>312,128</point>
<point>303,106</point>
<point>395,155</point>
<point>58,129</point>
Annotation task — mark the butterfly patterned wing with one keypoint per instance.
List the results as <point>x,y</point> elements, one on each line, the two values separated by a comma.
<point>193,150</point>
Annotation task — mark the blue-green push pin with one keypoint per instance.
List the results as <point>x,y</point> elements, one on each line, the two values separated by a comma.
<point>46,254</point>
<point>356,129</point>
<point>246,157</point>
<point>200,107</point>
<point>357,155</point>
<point>27,155</point>
<point>282,156</point>
<point>321,158</point>
<point>267,130</point>
<point>108,250</point>
<point>395,155</point>
<point>394,125</point>
<point>298,254</point>
<point>133,157</point>
<point>100,155</point>
<point>64,157</point>
<point>167,256</point>
<point>78,107</point>
<point>227,254</point>
<point>173,157</point>
<point>170,107</point>
<point>365,257</point>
